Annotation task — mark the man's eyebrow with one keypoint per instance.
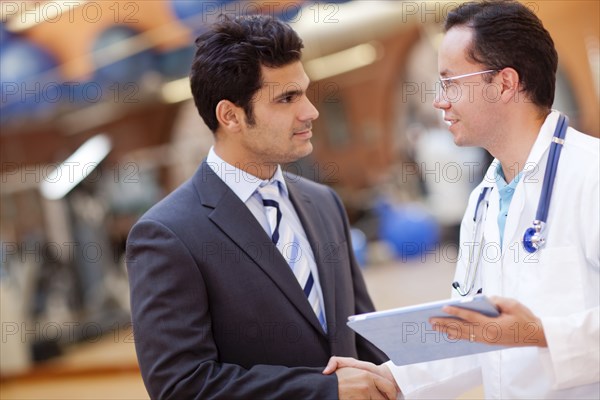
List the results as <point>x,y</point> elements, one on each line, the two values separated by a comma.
<point>287,93</point>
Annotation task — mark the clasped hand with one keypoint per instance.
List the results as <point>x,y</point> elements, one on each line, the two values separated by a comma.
<point>362,380</point>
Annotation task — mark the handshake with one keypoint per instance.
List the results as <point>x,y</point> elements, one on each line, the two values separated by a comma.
<point>362,380</point>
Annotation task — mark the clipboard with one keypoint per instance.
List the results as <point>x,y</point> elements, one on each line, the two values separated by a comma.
<point>406,336</point>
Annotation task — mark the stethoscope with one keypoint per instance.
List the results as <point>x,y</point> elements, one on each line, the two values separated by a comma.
<point>533,239</point>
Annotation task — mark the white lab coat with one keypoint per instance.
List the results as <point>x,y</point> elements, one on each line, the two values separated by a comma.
<point>560,284</point>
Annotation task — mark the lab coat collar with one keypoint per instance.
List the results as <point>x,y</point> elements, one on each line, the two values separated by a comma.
<point>540,147</point>
<point>489,180</point>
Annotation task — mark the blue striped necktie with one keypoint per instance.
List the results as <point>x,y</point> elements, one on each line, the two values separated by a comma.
<point>288,245</point>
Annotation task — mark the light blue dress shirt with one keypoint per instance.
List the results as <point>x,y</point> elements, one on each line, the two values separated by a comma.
<point>506,192</point>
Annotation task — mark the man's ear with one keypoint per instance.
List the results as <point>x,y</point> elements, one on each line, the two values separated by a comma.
<point>229,115</point>
<point>510,84</point>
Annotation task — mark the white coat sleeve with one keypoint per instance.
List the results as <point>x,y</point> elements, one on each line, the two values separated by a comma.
<point>574,341</point>
<point>446,379</point>
<point>574,348</point>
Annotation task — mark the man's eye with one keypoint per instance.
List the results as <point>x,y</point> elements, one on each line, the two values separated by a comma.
<point>449,85</point>
<point>287,99</point>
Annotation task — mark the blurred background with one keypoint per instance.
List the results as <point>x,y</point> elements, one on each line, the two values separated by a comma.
<point>97,125</point>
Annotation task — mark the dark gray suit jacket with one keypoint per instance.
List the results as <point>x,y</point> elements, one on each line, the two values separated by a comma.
<point>218,313</point>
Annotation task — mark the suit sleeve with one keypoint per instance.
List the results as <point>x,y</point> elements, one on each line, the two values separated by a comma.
<point>171,317</point>
<point>363,303</point>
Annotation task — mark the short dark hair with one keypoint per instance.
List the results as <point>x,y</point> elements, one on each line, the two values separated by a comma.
<point>508,34</point>
<point>228,60</point>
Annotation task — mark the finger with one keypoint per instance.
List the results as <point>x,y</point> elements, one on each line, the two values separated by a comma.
<point>505,304</point>
<point>340,362</point>
<point>496,299</point>
<point>453,332</point>
<point>450,327</point>
<point>377,395</point>
<point>466,315</point>
<point>385,372</point>
<point>439,323</point>
<point>385,387</point>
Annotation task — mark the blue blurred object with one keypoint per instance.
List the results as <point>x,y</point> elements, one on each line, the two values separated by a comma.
<point>290,12</point>
<point>84,93</point>
<point>176,63</point>
<point>122,70</point>
<point>5,35</point>
<point>359,246</point>
<point>409,228</point>
<point>196,13</point>
<point>29,80</point>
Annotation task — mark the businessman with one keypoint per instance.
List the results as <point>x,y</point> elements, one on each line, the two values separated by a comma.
<point>242,279</point>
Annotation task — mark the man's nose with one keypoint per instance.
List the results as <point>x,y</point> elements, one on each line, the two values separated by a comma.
<point>440,101</point>
<point>309,111</point>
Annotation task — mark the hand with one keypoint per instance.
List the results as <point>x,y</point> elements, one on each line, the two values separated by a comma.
<point>354,383</point>
<point>356,379</point>
<point>516,325</point>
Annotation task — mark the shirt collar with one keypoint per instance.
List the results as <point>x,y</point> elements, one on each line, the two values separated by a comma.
<point>501,179</point>
<point>242,183</point>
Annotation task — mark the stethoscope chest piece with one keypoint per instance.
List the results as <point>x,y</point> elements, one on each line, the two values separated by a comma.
<point>532,239</point>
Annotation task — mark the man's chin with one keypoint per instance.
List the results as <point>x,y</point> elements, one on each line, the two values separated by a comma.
<point>300,153</point>
<point>459,139</point>
<point>306,150</point>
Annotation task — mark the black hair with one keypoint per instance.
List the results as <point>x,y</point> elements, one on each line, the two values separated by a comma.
<point>228,60</point>
<point>508,34</point>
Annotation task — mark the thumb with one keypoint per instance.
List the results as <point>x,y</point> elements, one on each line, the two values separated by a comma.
<point>503,304</point>
<point>336,363</point>
<point>331,367</point>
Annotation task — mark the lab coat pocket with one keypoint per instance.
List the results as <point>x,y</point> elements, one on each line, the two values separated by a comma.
<point>560,280</point>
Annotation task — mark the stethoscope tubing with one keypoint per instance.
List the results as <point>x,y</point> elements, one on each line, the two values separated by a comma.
<point>551,168</point>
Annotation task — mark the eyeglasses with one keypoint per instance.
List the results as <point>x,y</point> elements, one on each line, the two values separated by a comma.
<point>447,83</point>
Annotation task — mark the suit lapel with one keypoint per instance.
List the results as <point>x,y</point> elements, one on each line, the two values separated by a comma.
<point>312,222</point>
<point>234,219</point>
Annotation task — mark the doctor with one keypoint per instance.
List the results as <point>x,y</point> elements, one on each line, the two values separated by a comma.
<point>498,66</point>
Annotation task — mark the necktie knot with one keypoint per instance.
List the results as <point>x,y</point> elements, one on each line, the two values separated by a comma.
<point>269,191</point>
<point>270,199</point>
